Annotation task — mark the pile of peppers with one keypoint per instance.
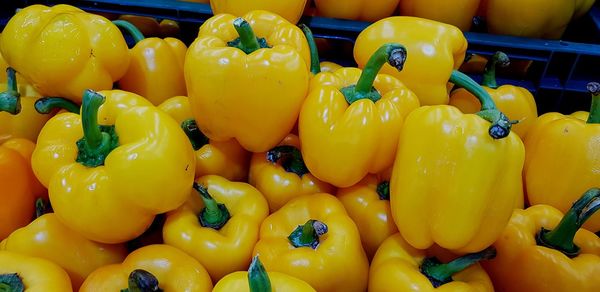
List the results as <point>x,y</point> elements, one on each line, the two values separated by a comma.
<point>241,162</point>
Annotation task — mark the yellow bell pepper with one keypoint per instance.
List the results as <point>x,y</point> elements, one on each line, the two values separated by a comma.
<point>25,148</point>
<point>458,13</point>
<point>155,267</point>
<point>227,159</point>
<point>434,48</point>
<point>397,266</point>
<point>280,174</point>
<point>563,157</point>
<point>24,273</point>
<point>169,28</point>
<point>87,50</point>
<point>112,169</point>
<point>218,225</point>
<point>313,239</point>
<point>46,237</point>
<point>446,158</point>
<point>156,67</point>
<point>351,119</point>
<point>291,10</point>
<point>357,10</point>
<point>542,250</point>
<point>238,87</point>
<point>516,102</point>
<point>258,280</point>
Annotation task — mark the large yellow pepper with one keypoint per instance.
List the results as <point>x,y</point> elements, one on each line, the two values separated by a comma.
<point>25,273</point>
<point>456,177</point>
<point>516,102</point>
<point>542,250</point>
<point>46,237</point>
<point>291,10</point>
<point>459,13</point>
<point>155,267</point>
<point>357,9</point>
<point>63,50</point>
<point>398,266</point>
<point>434,48</point>
<point>218,225</point>
<point>239,87</point>
<point>563,158</point>
<point>112,169</point>
<point>313,239</point>
<point>227,159</point>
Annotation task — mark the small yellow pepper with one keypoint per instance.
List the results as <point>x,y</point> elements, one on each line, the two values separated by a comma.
<point>357,10</point>
<point>291,10</point>
<point>25,273</point>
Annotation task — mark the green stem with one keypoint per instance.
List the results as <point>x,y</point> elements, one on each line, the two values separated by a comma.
<point>10,100</point>
<point>127,26</point>
<point>248,41</point>
<point>561,238</point>
<point>11,283</point>
<point>42,207</point>
<point>383,190</point>
<point>440,274</point>
<point>594,89</point>
<point>489,76</point>
<point>258,278</point>
<point>290,157</point>
<point>196,137</point>
<point>213,215</point>
<point>308,234</point>
<point>315,64</point>
<point>392,53</point>
<point>46,105</point>
<point>142,281</point>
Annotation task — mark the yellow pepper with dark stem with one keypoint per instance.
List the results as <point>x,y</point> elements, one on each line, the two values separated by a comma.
<point>563,157</point>
<point>218,225</point>
<point>542,250</point>
<point>313,239</point>
<point>458,13</point>
<point>88,51</point>
<point>456,177</point>
<point>291,10</point>
<point>227,159</point>
<point>24,273</point>
<point>112,169</point>
<point>357,9</point>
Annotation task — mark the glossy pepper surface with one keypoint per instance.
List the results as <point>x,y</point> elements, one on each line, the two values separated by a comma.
<point>357,9</point>
<point>218,225</point>
<point>25,273</point>
<point>88,51</point>
<point>456,177</point>
<point>266,78</point>
<point>458,13</point>
<point>434,48</point>
<point>313,239</point>
<point>158,266</point>
<point>25,148</point>
<point>291,10</point>
<point>109,171</point>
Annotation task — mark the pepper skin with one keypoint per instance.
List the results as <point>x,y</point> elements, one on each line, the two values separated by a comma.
<point>46,237</point>
<point>24,273</point>
<point>88,51</point>
<point>260,102</point>
<point>25,148</point>
<point>357,9</point>
<point>149,26</point>
<point>291,10</point>
<point>434,48</point>
<point>167,267</point>
<point>218,225</point>
<point>458,13</point>
<point>323,249</point>
<point>446,158</point>
<point>227,159</point>
<point>280,174</point>
<point>106,182</point>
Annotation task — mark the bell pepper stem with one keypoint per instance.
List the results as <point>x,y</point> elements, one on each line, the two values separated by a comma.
<point>127,26</point>
<point>258,279</point>
<point>213,215</point>
<point>561,237</point>
<point>290,158</point>
<point>196,137</point>
<point>383,190</point>
<point>142,281</point>
<point>248,41</point>
<point>308,235</point>
<point>489,75</point>
<point>594,89</point>
<point>11,283</point>
<point>440,274</point>
<point>10,100</point>
<point>46,105</point>
<point>315,64</point>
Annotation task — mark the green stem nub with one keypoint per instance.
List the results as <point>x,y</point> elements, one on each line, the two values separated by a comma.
<point>11,283</point>
<point>594,89</point>
<point>247,40</point>
<point>46,105</point>
<point>383,190</point>
<point>308,234</point>
<point>42,207</point>
<point>214,215</point>
<point>290,158</point>
<point>142,281</point>
<point>258,279</point>
<point>440,274</point>
<point>196,137</point>
<point>128,27</point>
<point>10,100</point>
<point>315,63</point>
<point>391,53</point>
<point>561,238</point>
<point>489,76</point>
